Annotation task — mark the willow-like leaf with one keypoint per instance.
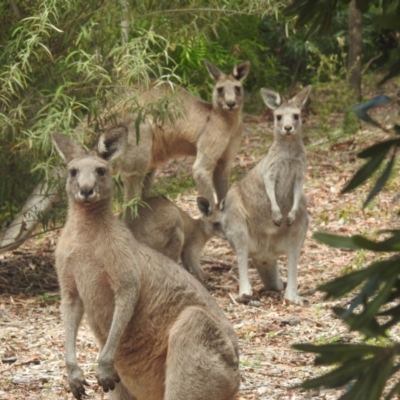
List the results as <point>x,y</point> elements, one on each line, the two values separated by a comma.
<point>338,352</point>
<point>379,147</point>
<point>340,242</point>
<point>340,376</point>
<point>373,329</point>
<point>365,172</point>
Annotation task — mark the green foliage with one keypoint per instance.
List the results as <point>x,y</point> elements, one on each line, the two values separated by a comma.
<point>320,20</point>
<point>365,369</point>
<point>319,17</point>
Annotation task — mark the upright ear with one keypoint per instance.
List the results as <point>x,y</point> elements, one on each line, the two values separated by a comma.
<point>221,205</point>
<point>67,149</point>
<point>112,142</point>
<point>300,99</point>
<point>214,72</point>
<point>271,98</point>
<point>241,70</point>
<point>204,206</point>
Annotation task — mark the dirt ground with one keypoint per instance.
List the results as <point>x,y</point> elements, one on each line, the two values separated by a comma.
<point>32,335</point>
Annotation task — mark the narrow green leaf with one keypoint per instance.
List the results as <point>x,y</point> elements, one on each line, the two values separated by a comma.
<point>339,353</point>
<point>341,242</point>
<point>361,298</point>
<point>338,377</point>
<point>373,329</point>
<point>365,171</point>
<point>366,319</point>
<point>344,284</point>
<point>377,381</point>
<point>385,246</point>
<point>381,181</point>
<point>377,148</point>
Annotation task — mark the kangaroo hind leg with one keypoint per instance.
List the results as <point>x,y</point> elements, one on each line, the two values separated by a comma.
<point>202,360</point>
<point>269,274</point>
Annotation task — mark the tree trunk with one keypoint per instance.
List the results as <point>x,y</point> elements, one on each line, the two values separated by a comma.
<point>124,21</point>
<point>38,204</point>
<point>355,49</point>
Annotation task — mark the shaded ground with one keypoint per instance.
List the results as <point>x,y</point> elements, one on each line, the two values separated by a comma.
<point>32,336</point>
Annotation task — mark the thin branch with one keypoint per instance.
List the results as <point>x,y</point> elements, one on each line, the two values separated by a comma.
<point>370,62</point>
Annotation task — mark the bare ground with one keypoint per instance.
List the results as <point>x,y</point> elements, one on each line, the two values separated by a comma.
<point>32,335</point>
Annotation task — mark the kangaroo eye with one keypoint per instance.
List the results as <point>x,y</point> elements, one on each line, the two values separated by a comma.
<point>279,117</point>
<point>216,224</point>
<point>238,89</point>
<point>296,117</point>
<point>73,172</point>
<point>220,90</point>
<point>101,171</point>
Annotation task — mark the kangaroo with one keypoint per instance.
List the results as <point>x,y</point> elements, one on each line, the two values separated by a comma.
<point>209,131</point>
<point>161,334</point>
<point>265,214</point>
<point>163,226</point>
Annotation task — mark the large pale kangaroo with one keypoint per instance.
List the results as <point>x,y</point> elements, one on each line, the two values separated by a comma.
<point>265,214</point>
<point>161,334</point>
<point>163,226</point>
<point>209,131</point>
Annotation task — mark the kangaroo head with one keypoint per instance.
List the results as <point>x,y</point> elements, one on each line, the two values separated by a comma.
<point>228,89</point>
<point>287,115</point>
<point>212,218</point>
<point>89,177</point>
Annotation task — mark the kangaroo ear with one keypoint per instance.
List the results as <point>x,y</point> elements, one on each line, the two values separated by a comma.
<point>241,70</point>
<point>112,142</point>
<point>221,205</point>
<point>300,99</point>
<point>67,149</point>
<point>214,72</point>
<point>271,98</point>
<point>204,206</point>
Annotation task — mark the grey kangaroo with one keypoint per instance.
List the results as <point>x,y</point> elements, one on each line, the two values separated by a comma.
<point>161,334</point>
<point>265,214</point>
<point>163,226</point>
<point>209,131</point>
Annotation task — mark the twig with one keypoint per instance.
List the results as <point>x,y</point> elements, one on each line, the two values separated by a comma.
<point>233,299</point>
<point>370,62</point>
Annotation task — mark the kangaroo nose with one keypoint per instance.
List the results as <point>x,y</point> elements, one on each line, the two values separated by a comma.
<point>231,104</point>
<point>288,128</point>
<point>86,192</point>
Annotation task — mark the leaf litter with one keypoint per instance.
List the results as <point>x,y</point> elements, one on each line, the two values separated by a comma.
<point>32,335</point>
